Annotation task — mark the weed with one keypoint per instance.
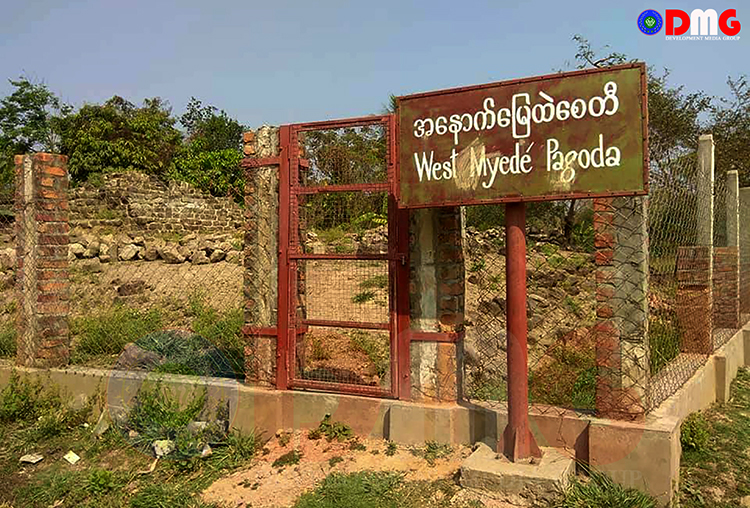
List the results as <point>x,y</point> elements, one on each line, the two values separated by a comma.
<point>391,448</point>
<point>224,330</point>
<point>7,340</point>
<point>572,305</point>
<point>548,249</point>
<point>364,296</point>
<point>664,340</point>
<point>319,350</point>
<point>315,434</point>
<point>288,459</point>
<point>100,481</point>
<point>106,214</point>
<point>376,347</point>
<point>432,451</point>
<point>335,460</point>
<point>376,281</point>
<point>284,439</point>
<point>694,433</point>
<point>477,265</point>
<point>356,446</point>
<point>156,415</point>
<point>190,354</point>
<point>109,331</point>
<point>601,492</point>
<point>157,495</point>
<point>334,431</point>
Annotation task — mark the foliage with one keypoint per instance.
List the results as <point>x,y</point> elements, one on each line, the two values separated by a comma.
<point>217,172</point>
<point>664,340</point>
<point>364,296</point>
<point>28,123</point>
<point>109,331</point>
<point>335,460</point>
<point>222,329</point>
<point>566,377</point>
<point>333,431</point>
<point>369,489</point>
<point>391,448</point>
<point>600,491</point>
<point>216,128</point>
<point>118,136</point>
<point>7,340</point>
<point>432,451</point>
<point>376,347</point>
<point>694,433</point>
<point>714,473</point>
<point>730,126</point>
<point>27,399</point>
<point>290,458</point>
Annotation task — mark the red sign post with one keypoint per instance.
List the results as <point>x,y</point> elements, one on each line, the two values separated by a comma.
<point>570,135</point>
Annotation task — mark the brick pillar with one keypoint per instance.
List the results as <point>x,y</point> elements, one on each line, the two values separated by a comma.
<point>622,354</point>
<point>726,288</point>
<point>726,263</point>
<point>744,246</point>
<point>694,273</point>
<point>42,253</point>
<point>261,255</point>
<point>436,292</point>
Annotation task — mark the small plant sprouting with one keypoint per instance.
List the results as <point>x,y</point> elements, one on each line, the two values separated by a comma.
<point>288,459</point>
<point>391,448</point>
<point>356,446</point>
<point>335,460</point>
<point>364,296</point>
<point>333,431</point>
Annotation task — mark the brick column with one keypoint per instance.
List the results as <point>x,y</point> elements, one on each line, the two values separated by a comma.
<point>261,255</point>
<point>694,273</point>
<point>726,263</point>
<point>436,292</point>
<point>42,253</point>
<point>622,353</point>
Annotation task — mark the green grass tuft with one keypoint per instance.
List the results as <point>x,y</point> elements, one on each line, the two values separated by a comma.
<point>599,491</point>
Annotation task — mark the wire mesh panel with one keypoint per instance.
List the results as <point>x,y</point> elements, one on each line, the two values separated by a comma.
<point>8,296</point>
<point>560,304</point>
<point>137,271</point>
<point>341,260</point>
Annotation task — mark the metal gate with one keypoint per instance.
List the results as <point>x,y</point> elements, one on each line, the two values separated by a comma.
<point>339,257</point>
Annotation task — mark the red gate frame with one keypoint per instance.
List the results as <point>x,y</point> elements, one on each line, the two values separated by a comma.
<point>397,257</point>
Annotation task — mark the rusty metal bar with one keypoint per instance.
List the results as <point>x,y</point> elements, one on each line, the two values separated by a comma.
<point>403,324</point>
<point>450,337</point>
<point>351,257</point>
<point>345,324</point>
<point>518,442</point>
<point>283,337</point>
<point>355,187</point>
<point>263,161</point>
<point>341,123</point>
<point>362,390</point>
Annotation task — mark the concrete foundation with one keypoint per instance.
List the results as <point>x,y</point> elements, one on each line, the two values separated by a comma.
<point>644,455</point>
<point>522,484</point>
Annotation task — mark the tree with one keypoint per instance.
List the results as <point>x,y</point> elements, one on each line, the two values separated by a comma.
<point>29,122</point>
<point>730,126</point>
<point>210,156</point>
<point>118,136</point>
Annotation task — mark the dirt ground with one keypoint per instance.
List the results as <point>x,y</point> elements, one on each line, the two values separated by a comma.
<point>265,486</point>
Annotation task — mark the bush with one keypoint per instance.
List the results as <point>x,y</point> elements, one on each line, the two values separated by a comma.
<point>694,433</point>
<point>109,331</point>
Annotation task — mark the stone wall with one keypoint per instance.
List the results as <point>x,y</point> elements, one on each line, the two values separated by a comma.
<point>145,203</point>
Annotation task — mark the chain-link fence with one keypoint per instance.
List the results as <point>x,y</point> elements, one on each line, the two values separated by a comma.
<point>561,304</point>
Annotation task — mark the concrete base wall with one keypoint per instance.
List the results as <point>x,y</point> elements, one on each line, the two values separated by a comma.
<point>645,455</point>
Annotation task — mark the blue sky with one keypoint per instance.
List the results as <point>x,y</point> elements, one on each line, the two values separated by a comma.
<point>283,61</point>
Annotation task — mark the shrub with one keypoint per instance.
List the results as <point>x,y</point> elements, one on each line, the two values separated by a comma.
<point>331,430</point>
<point>223,329</point>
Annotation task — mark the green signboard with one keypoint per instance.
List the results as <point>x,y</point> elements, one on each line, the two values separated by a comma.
<point>563,136</point>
